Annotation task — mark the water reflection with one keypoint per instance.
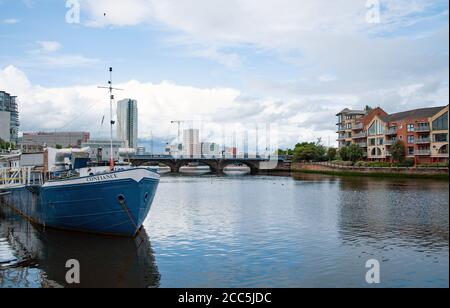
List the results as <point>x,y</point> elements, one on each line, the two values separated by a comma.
<point>262,231</point>
<point>39,258</point>
<point>412,212</point>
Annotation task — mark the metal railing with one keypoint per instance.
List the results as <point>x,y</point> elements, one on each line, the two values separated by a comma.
<point>392,131</point>
<point>20,176</point>
<point>423,128</point>
<point>422,152</point>
<point>358,126</point>
<point>360,135</point>
<point>422,140</point>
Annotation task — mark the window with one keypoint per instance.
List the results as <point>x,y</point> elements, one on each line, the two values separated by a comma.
<point>441,123</point>
<point>377,128</point>
<point>444,149</point>
<point>440,138</point>
<point>411,151</point>
<point>372,142</point>
<point>349,126</point>
<point>381,141</point>
<point>410,139</point>
<point>410,128</point>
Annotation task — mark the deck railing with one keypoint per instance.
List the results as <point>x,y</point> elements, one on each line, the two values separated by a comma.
<point>20,176</point>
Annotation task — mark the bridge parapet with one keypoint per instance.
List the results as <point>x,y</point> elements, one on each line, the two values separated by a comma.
<point>217,165</point>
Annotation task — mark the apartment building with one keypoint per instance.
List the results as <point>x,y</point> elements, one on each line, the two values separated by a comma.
<point>349,124</point>
<point>424,132</point>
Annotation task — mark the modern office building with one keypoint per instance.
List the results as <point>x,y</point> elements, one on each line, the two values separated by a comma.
<point>5,131</point>
<point>8,104</point>
<point>191,143</point>
<point>31,141</point>
<point>127,122</point>
<point>423,131</point>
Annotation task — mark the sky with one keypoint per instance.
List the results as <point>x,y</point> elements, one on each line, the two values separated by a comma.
<point>222,65</point>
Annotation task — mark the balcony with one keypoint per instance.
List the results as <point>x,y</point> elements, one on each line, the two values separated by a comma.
<point>362,144</point>
<point>360,135</point>
<point>422,152</point>
<point>392,131</point>
<point>358,126</point>
<point>422,141</point>
<point>390,142</point>
<point>423,128</point>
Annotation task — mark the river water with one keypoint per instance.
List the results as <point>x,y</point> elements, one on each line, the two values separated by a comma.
<point>303,231</point>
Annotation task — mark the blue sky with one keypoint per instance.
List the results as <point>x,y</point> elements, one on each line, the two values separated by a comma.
<point>288,62</point>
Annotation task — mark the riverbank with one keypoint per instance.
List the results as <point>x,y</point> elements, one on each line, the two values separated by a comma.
<point>400,172</point>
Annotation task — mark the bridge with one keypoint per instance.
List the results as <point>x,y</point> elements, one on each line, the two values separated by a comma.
<point>217,164</point>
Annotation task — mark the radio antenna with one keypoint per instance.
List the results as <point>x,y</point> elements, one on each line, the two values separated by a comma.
<point>110,88</point>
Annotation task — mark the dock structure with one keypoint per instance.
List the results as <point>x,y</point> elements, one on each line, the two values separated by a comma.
<point>18,177</point>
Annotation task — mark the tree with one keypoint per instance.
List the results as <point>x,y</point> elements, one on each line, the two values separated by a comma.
<point>332,153</point>
<point>398,152</point>
<point>344,154</point>
<point>58,147</point>
<point>309,152</point>
<point>355,153</point>
<point>5,145</point>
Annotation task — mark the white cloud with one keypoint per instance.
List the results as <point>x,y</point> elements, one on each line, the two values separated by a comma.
<point>82,107</point>
<point>299,117</point>
<point>11,21</point>
<point>49,46</point>
<point>48,55</point>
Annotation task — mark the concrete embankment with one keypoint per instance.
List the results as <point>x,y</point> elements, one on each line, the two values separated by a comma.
<point>333,169</point>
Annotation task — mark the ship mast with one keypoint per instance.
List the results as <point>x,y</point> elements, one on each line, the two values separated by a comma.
<point>112,122</point>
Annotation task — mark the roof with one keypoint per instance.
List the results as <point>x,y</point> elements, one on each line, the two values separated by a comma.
<point>413,114</point>
<point>348,111</point>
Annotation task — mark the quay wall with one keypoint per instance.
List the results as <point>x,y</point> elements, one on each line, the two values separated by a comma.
<point>333,169</point>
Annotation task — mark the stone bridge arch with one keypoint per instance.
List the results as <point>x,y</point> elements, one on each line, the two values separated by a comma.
<point>254,166</point>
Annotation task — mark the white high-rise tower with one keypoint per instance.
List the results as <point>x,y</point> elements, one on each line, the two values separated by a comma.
<point>127,122</point>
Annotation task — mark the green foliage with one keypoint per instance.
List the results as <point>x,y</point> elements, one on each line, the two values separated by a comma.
<point>344,154</point>
<point>332,154</point>
<point>398,151</point>
<point>361,164</point>
<point>285,152</point>
<point>407,163</point>
<point>310,152</point>
<point>355,153</point>
<point>59,147</point>
<point>5,145</point>
<point>435,165</point>
<point>351,153</point>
